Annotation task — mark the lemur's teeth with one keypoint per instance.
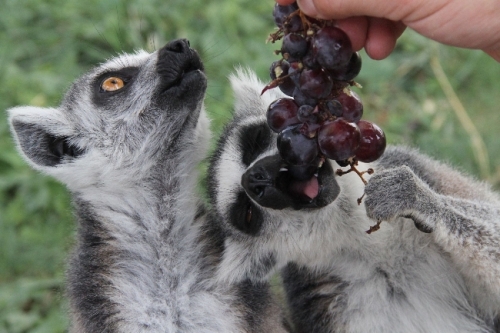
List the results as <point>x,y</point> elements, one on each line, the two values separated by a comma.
<point>316,175</point>
<point>283,170</point>
<point>321,161</point>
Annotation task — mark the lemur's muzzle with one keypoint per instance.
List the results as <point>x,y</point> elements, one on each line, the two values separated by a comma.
<point>179,65</point>
<point>272,183</point>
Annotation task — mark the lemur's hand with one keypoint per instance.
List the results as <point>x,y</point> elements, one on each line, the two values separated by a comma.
<point>398,192</point>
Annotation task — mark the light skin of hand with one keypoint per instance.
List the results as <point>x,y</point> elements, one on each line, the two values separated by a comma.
<point>376,25</point>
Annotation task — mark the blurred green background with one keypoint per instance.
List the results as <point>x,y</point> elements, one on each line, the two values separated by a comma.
<point>441,99</point>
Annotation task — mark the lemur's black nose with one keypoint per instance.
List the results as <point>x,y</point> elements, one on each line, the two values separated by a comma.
<point>175,61</point>
<point>259,183</point>
<point>178,46</point>
<point>257,179</point>
<point>175,49</point>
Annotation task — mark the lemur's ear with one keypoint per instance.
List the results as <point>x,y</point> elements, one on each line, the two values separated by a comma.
<point>41,135</point>
<point>247,90</point>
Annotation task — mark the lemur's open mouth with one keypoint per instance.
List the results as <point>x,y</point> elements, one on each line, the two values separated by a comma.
<point>274,184</point>
<point>301,181</point>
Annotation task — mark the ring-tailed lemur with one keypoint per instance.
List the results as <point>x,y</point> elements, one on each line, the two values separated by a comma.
<point>126,141</point>
<point>434,268</point>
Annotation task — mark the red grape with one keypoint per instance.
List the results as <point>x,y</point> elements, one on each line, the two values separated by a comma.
<point>295,45</point>
<point>348,72</point>
<point>281,114</point>
<point>279,69</point>
<point>302,99</point>
<point>338,139</point>
<point>372,143</point>
<point>315,83</point>
<point>333,107</point>
<point>295,148</point>
<point>352,108</point>
<point>280,13</point>
<point>332,47</point>
<point>305,114</point>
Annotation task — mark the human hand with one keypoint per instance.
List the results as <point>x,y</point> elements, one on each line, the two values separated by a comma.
<point>376,25</point>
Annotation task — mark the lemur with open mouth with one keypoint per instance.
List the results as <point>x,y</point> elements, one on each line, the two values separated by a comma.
<point>434,268</point>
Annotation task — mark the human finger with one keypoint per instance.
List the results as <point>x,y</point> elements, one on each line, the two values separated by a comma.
<point>285,2</point>
<point>338,9</point>
<point>357,29</point>
<point>382,36</point>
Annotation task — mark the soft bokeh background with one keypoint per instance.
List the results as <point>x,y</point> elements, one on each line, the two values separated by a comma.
<point>443,100</point>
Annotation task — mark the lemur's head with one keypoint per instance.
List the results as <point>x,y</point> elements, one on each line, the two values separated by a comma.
<point>124,116</point>
<point>250,186</point>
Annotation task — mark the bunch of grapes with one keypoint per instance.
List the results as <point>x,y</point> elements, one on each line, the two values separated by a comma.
<point>323,116</point>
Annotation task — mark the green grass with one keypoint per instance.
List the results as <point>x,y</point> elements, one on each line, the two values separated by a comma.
<point>47,44</point>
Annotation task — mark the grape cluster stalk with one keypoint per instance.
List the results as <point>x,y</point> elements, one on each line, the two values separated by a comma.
<point>321,118</point>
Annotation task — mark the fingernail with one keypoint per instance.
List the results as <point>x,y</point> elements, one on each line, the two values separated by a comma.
<point>307,6</point>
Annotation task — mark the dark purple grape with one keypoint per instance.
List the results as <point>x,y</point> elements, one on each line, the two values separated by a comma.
<point>332,48</point>
<point>294,45</point>
<point>295,148</point>
<point>372,143</point>
<point>315,83</point>
<point>305,114</point>
<point>279,69</point>
<point>343,163</point>
<point>281,114</point>
<point>310,129</point>
<point>352,108</point>
<point>350,71</point>
<point>309,60</point>
<point>338,139</point>
<point>280,13</point>
<point>303,172</point>
<point>287,86</point>
<point>333,107</point>
<point>294,72</point>
<point>293,24</point>
<point>301,98</point>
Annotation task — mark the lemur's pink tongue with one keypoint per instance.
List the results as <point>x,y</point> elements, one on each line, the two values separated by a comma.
<point>309,188</point>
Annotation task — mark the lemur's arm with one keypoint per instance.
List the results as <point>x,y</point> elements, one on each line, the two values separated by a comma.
<point>468,229</point>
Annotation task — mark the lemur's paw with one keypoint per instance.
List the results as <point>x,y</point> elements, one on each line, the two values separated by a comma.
<point>398,192</point>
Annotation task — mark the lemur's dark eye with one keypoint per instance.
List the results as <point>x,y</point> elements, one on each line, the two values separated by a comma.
<point>112,84</point>
<point>244,216</point>
<point>249,214</point>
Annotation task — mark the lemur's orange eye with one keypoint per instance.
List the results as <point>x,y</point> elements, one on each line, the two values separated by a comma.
<point>112,84</point>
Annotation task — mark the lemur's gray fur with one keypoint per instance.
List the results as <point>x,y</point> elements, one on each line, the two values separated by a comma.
<point>145,255</point>
<point>434,267</point>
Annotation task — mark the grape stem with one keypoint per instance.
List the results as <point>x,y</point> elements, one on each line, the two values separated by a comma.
<point>276,82</point>
<point>374,228</point>
<point>352,167</point>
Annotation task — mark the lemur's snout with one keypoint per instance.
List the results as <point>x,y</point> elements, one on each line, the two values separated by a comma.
<point>260,183</point>
<point>257,179</point>
<point>179,65</point>
<point>273,184</point>
<point>178,45</point>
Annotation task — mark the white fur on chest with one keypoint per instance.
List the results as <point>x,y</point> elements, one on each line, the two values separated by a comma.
<point>397,280</point>
<point>157,283</point>
<point>393,279</point>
